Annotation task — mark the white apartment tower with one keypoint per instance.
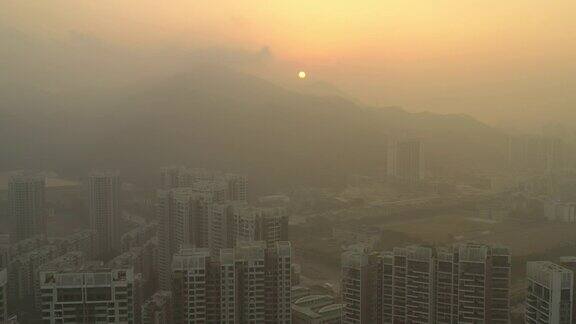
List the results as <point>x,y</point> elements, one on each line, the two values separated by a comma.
<point>26,206</point>
<point>104,209</point>
<point>549,295</point>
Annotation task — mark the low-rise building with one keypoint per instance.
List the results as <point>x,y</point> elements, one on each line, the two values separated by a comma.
<point>316,309</point>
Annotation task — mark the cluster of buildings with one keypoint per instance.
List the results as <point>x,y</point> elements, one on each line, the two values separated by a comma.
<point>208,257</point>
<point>247,284</point>
<point>465,283</point>
<point>468,283</point>
<point>211,257</point>
<point>559,211</point>
<point>210,210</point>
<point>529,153</point>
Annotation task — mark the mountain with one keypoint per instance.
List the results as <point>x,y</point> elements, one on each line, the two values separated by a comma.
<point>222,119</point>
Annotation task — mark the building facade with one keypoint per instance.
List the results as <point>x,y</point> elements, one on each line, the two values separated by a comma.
<point>3,295</point>
<point>269,224</point>
<point>550,292</point>
<point>26,206</point>
<point>360,287</point>
<point>105,213</point>
<point>247,284</point>
<point>536,153</point>
<point>184,216</point>
<point>405,160</point>
<point>89,294</point>
<point>467,283</point>
<point>224,186</point>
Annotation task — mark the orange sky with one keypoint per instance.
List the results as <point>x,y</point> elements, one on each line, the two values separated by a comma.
<point>493,59</point>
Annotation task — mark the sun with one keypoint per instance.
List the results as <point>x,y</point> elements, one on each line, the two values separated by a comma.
<point>302,75</point>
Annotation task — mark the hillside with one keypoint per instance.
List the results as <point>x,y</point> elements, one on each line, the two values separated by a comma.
<point>227,120</point>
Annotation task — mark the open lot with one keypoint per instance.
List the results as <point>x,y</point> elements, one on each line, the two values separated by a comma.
<point>522,237</point>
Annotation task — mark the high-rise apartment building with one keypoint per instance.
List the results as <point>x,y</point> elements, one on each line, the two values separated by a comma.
<point>23,271</point>
<point>3,295</point>
<point>446,286</point>
<point>468,283</point>
<point>237,187</point>
<point>473,284</point>
<point>412,292</point>
<point>535,153</point>
<point>483,283</point>
<point>26,206</point>
<point>105,212</point>
<point>89,294</point>
<point>392,287</point>
<point>569,262</point>
<point>221,227</point>
<point>361,292</point>
<point>73,259</point>
<point>248,284</point>
<point>5,250</point>
<point>198,213</point>
<point>195,285</point>
<point>183,215</point>
<point>223,186</point>
<point>405,160</point>
<point>269,224</point>
<point>549,294</point>
<point>232,223</point>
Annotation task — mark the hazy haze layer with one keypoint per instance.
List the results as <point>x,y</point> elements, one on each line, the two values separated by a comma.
<point>497,60</point>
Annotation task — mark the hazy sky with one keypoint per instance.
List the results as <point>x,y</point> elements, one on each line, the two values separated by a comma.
<point>512,60</point>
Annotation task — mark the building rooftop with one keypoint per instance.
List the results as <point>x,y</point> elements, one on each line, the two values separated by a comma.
<point>126,259</point>
<point>311,300</point>
<point>104,174</point>
<point>70,260</point>
<point>51,180</point>
<point>543,272</point>
<point>191,258</point>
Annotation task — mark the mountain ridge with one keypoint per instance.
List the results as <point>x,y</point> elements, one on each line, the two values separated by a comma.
<point>229,120</point>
